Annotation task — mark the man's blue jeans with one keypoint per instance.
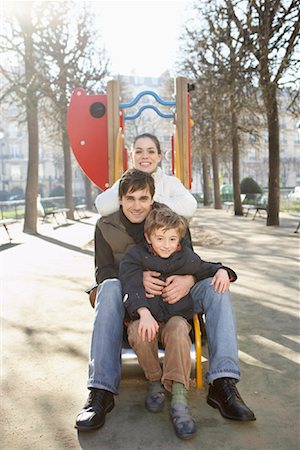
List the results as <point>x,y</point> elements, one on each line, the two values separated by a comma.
<point>107,335</point>
<point>220,329</point>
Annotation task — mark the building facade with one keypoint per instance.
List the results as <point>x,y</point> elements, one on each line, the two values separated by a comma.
<point>254,154</point>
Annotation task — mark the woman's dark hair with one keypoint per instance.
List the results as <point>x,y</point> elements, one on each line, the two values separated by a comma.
<point>135,180</point>
<point>150,136</point>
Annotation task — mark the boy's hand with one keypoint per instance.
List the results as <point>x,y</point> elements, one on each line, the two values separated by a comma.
<point>152,284</point>
<point>147,325</point>
<point>220,281</point>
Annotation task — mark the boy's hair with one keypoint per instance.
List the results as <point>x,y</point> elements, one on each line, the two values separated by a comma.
<point>135,180</point>
<point>165,218</point>
<point>150,136</point>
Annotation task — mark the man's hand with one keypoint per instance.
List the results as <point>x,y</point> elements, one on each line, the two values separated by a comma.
<point>152,284</point>
<point>177,286</point>
<point>92,296</point>
<point>147,325</point>
<point>220,281</point>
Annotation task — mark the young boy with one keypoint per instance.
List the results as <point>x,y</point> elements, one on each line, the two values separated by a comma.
<point>156,320</point>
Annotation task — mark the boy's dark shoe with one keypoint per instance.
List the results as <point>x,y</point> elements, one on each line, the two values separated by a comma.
<point>155,400</point>
<point>92,416</point>
<point>183,422</point>
<point>223,394</point>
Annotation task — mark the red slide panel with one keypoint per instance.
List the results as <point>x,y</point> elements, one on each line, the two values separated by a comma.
<point>88,135</point>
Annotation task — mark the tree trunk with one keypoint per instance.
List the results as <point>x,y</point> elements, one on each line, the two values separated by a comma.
<point>88,192</point>
<point>274,156</point>
<point>68,174</point>
<point>32,182</point>
<point>215,166</point>
<point>238,209</point>
<point>206,196</point>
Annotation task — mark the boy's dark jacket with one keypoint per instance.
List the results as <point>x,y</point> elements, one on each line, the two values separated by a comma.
<point>183,262</point>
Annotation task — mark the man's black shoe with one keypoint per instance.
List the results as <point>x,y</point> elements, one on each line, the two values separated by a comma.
<point>223,394</point>
<point>92,416</point>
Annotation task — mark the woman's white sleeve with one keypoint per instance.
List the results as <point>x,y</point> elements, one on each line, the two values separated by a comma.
<point>178,198</point>
<point>108,201</point>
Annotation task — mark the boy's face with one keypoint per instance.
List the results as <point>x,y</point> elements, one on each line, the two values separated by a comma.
<point>136,205</point>
<point>164,242</point>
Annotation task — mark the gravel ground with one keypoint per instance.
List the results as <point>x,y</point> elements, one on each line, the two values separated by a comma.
<point>46,324</point>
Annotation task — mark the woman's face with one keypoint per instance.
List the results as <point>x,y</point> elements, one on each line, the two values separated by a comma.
<point>145,155</point>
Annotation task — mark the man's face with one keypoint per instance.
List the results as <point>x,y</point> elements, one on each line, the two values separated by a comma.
<point>136,205</point>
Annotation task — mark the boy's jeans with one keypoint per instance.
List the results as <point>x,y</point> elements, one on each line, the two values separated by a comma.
<point>174,336</point>
<point>107,334</point>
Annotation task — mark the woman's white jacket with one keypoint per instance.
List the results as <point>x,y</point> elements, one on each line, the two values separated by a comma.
<point>168,190</point>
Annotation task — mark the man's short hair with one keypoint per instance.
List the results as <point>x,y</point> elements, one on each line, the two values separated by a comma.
<point>136,180</point>
<point>166,219</point>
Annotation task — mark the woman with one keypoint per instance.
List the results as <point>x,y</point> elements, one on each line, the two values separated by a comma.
<point>146,155</point>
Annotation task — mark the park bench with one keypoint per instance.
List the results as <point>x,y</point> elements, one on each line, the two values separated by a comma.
<point>258,210</point>
<point>5,224</point>
<point>230,205</point>
<point>81,211</point>
<point>259,206</point>
<point>298,216</point>
<point>49,209</point>
<point>55,212</point>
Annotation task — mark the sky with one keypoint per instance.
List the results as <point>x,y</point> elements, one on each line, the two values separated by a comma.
<point>141,36</point>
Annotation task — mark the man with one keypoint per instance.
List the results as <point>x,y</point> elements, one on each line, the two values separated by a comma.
<point>114,234</point>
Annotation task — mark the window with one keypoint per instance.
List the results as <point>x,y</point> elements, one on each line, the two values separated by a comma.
<point>15,151</point>
<point>283,139</point>
<point>15,172</point>
<point>282,122</point>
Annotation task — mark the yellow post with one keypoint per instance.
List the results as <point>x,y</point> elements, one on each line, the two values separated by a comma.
<point>198,349</point>
<point>182,124</point>
<point>177,155</point>
<point>118,155</point>
<point>113,126</point>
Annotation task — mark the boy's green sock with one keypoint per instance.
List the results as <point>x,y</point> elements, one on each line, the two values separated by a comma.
<point>179,394</point>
